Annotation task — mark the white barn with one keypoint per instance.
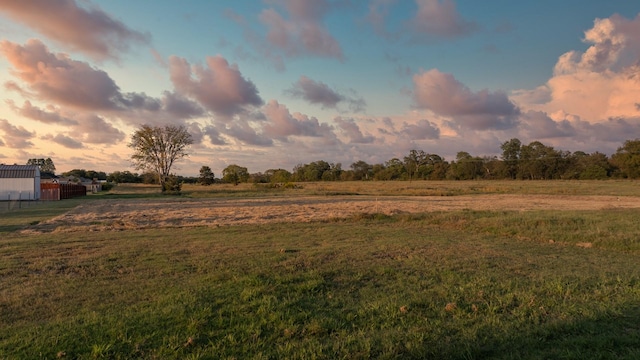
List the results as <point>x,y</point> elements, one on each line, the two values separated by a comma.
<point>19,182</point>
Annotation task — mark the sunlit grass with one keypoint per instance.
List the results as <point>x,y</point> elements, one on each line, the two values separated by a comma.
<point>422,188</point>
<point>444,285</point>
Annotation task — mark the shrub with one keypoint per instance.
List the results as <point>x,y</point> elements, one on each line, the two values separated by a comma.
<point>172,186</point>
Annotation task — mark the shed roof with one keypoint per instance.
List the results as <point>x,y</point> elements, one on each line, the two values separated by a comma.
<point>19,171</point>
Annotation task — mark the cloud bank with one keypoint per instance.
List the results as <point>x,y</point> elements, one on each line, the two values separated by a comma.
<point>88,30</point>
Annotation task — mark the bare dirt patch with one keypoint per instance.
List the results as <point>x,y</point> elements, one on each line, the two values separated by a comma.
<point>122,214</point>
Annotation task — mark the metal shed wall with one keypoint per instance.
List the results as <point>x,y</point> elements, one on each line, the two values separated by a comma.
<point>19,182</point>
<point>19,189</point>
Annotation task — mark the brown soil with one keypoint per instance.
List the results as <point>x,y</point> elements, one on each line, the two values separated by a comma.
<point>139,214</point>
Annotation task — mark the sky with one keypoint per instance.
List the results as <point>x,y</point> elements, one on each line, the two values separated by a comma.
<point>268,84</point>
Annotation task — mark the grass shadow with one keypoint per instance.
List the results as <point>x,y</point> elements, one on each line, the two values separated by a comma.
<point>609,335</point>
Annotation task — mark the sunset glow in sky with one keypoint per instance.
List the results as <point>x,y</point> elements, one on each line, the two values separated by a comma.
<point>269,84</point>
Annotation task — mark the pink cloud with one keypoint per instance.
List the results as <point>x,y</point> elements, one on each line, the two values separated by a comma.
<point>89,30</point>
<point>422,130</point>
<point>96,130</point>
<point>245,133</point>
<point>538,125</point>
<point>64,141</point>
<point>55,77</point>
<point>439,19</point>
<point>181,106</point>
<point>281,123</point>
<point>16,137</point>
<point>214,135</point>
<point>35,113</point>
<point>218,86</point>
<point>446,96</point>
<point>317,92</point>
<point>599,83</point>
<point>303,32</point>
<point>615,43</point>
<point>352,131</point>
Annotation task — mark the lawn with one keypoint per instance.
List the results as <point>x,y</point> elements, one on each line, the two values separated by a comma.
<point>462,284</point>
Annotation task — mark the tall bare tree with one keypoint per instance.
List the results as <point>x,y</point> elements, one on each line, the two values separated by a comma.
<point>156,149</point>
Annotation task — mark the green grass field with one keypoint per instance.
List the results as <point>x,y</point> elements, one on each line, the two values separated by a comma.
<point>442,285</point>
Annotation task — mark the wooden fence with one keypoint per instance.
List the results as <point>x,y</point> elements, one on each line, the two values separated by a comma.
<point>61,191</point>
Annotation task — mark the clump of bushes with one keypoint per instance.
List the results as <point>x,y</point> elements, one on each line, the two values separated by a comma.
<point>172,186</point>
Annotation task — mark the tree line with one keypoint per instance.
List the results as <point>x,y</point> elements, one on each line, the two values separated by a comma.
<point>534,161</point>
<point>156,149</point>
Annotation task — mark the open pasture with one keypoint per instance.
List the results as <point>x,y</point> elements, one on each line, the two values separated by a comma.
<point>418,270</point>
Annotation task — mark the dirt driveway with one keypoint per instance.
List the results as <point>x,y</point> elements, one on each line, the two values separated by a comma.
<point>120,214</point>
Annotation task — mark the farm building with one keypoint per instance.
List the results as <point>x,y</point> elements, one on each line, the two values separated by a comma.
<point>19,182</point>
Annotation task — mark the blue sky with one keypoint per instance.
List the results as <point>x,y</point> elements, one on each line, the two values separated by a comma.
<point>275,83</point>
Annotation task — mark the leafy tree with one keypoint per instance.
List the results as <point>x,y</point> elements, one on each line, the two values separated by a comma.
<point>438,166</point>
<point>627,159</point>
<point>596,166</point>
<point>278,175</point>
<point>314,171</point>
<point>206,176</point>
<point>149,177</point>
<point>46,165</point>
<point>538,161</point>
<point>334,173</point>
<point>362,170</point>
<point>172,185</point>
<point>491,167</point>
<point>466,167</point>
<point>124,177</point>
<point>414,161</point>
<point>156,149</point>
<point>584,166</point>
<point>511,156</point>
<point>391,170</point>
<point>87,174</point>
<point>234,174</point>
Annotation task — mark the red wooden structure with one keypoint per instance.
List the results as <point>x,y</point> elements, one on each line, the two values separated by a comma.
<point>61,191</point>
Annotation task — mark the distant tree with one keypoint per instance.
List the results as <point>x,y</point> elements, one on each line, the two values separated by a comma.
<point>206,176</point>
<point>172,185</point>
<point>511,156</point>
<point>46,165</point>
<point>334,173</point>
<point>362,170</point>
<point>121,177</point>
<point>466,167</point>
<point>393,170</point>
<point>491,167</point>
<point>277,175</point>
<point>78,173</point>
<point>627,159</point>
<point>234,174</point>
<point>149,177</point>
<point>540,162</point>
<point>414,161</point>
<point>315,171</point>
<point>87,174</point>
<point>156,149</point>
<point>596,166</point>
